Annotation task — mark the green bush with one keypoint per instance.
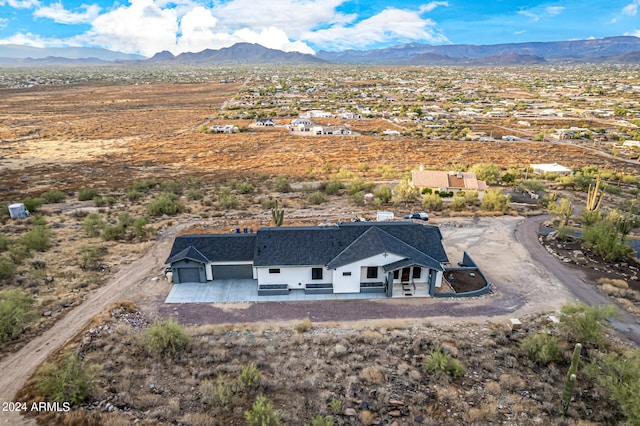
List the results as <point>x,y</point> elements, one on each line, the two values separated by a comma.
<point>165,204</point>
<point>242,186</point>
<point>133,195</point>
<point>165,338</point>
<point>7,268</point>
<point>438,360</point>
<point>195,194</point>
<point>432,202</point>
<point>5,242</point>
<point>458,204</point>
<point>98,201</point>
<point>320,420</point>
<point>383,193</point>
<point>262,413</point>
<point>93,225</point>
<point>91,257</point>
<point>38,238</point>
<point>86,194</point>
<point>15,313</point>
<point>405,191</point>
<point>494,200</point>
<point>53,196</point>
<point>226,199</point>
<point>269,203</point>
<point>489,173</point>
<point>32,204</point>
<point>144,185</point>
<point>542,348</point>
<point>172,186</point>
<point>70,381</point>
<point>584,323</point>
<point>333,187</point>
<point>602,238</point>
<point>114,232</point>
<point>38,220</point>
<point>249,376</point>
<point>316,198</point>
<point>19,252</point>
<point>217,394</point>
<point>282,184</point>
<point>359,185</point>
<point>620,375</point>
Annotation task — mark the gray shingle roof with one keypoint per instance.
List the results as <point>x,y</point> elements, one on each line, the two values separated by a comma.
<point>191,253</point>
<point>217,247</point>
<point>320,245</point>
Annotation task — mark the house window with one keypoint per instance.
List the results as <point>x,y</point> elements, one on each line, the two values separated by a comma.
<point>372,272</point>
<point>346,274</point>
<point>396,274</point>
<point>416,272</point>
<point>274,270</point>
<point>316,273</point>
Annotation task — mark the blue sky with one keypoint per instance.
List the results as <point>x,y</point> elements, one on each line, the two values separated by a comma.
<point>149,26</point>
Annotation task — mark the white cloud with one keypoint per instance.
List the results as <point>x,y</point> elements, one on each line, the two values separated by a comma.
<point>529,14</point>
<point>632,8</point>
<point>3,23</point>
<point>390,24</point>
<point>635,33</point>
<point>59,14</point>
<point>430,6</point>
<point>554,10</point>
<point>29,39</point>
<point>20,4</point>
<point>520,32</point>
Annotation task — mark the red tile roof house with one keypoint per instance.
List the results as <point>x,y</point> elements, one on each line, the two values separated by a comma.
<point>448,181</point>
<point>386,257</point>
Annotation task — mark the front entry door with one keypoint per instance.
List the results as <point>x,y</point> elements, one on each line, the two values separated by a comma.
<point>405,275</point>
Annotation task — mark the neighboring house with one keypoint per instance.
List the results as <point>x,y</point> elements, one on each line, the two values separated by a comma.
<point>316,114</point>
<point>554,168</point>
<point>447,181</point>
<point>265,122</point>
<point>631,144</point>
<point>359,257</point>
<point>302,122</point>
<point>224,129</point>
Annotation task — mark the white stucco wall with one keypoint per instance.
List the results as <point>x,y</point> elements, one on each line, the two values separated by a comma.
<point>351,284</point>
<point>296,277</point>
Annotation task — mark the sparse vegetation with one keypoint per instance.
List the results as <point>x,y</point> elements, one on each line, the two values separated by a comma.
<point>16,313</point>
<point>262,413</point>
<point>165,204</point>
<point>70,380</point>
<point>165,337</point>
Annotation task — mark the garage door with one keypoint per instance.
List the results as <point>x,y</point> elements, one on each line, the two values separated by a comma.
<point>230,272</point>
<point>189,275</point>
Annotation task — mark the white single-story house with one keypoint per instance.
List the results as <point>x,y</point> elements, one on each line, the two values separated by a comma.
<point>302,122</point>
<point>550,168</point>
<point>357,257</point>
<point>448,181</point>
<point>265,122</point>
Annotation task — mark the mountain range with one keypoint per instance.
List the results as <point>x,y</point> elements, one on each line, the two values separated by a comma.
<point>622,49</point>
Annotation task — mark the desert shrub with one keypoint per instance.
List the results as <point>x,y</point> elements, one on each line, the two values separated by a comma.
<point>133,195</point>
<point>5,242</point>
<point>303,325</point>
<point>357,198</point>
<point>98,201</point>
<point>269,203</point>
<point>262,413</point>
<point>333,187</point>
<point>226,199</point>
<point>383,193</point>
<point>53,196</point>
<point>114,232</point>
<point>620,375</point>
<point>439,360</point>
<point>86,194</point>
<point>18,252</point>
<point>458,204</point>
<point>612,189</point>
<point>249,376</point>
<point>533,185</point>
<point>584,323</point>
<point>320,420</point>
<point>72,380</point>
<point>172,186</point>
<point>144,185</point>
<point>38,220</point>
<point>405,191</point>
<point>426,191</point>
<point>371,375</point>
<point>91,257</point>
<point>37,238</point>
<point>490,173</point>
<point>494,200</point>
<point>216,394</point>
<point>32,204</point>
<point>432,202</point>
<point>110,200</point>
<point>602,238</point>
<point>15,313</point>
<point>242,186</point>
<point>7,268</point>
<point>165,204</point>
<point>165,338</point>
<point>316,198</point>
<point>542,348</point>
<point>359,185</point>
<point>282,184</point>
<point>195,194</point>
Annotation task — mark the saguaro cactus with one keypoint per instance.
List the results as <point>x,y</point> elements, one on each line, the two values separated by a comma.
<point>594,196</point>
<point>570,383</point>
<point>277,215</point>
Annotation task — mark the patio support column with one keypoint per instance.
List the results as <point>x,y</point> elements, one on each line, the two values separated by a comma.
<point>390,284</point>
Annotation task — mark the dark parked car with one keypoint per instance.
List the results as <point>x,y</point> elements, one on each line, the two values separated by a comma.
<point>421,216</point>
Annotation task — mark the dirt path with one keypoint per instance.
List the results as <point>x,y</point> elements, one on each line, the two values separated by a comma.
<point>19,366</point>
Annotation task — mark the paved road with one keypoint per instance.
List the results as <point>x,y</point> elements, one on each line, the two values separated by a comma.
<point>572,278</point>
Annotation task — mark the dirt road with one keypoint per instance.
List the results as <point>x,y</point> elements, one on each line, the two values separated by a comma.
<point>527,280</point>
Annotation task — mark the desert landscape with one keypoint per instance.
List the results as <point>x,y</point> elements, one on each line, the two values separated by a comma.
<point>115,162</point>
